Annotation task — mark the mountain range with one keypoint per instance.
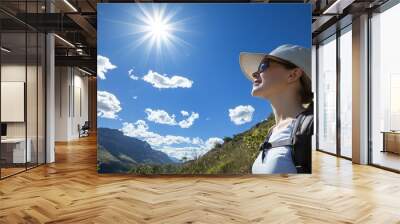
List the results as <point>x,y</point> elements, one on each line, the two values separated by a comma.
<point>120,153</point>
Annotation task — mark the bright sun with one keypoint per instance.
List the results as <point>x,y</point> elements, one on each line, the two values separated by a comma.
<point>157,28</point>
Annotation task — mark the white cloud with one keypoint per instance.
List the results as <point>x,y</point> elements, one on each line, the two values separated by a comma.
<point>211,142</point>
<point>160,116</point>
<point>188,121</point>
<point>135,97</point>
<point>163,81</point>
<point>241,114</point>
<point>188,152</point>
<point>197,141</point>
<point>181,152</point>
<point>108,105</point>
<point>140,129</point>
<point>103,65</point>
<point>131,75</point>
<point>184,113</point>
<point>188,147</point>
<point>198,149</point>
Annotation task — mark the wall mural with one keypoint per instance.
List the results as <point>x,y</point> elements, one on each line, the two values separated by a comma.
<point>172,97</point>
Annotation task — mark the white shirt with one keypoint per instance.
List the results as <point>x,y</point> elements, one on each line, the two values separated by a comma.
<point>278,159</point>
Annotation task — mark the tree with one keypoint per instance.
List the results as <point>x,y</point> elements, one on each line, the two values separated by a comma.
<point>227,139</point>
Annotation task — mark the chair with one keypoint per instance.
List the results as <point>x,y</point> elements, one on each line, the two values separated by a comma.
<point>84,130</point>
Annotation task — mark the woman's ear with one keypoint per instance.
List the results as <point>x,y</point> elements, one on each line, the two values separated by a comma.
<point>295,75</point>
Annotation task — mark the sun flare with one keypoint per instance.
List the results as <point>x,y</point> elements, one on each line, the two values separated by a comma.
<point>158,28</point>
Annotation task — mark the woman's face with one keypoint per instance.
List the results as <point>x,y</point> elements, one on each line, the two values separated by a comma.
<point>270,80</point>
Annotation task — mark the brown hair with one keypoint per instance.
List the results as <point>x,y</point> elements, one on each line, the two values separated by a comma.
<point>305,92</point>
<point>306,89</point>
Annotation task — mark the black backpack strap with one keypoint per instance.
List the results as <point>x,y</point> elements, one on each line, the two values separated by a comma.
<point>297,126</point>
<point>269,145</point>
<point>303,127</point>
<point>267,137</point>
<point>266,145</point>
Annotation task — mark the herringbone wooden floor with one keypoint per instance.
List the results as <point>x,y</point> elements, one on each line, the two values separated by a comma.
<point>70,191</point>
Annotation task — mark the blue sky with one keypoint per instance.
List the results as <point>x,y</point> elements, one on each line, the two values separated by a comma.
<point>203,57</point>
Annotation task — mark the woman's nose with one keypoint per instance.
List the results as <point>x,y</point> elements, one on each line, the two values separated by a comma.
<point>255,75</point>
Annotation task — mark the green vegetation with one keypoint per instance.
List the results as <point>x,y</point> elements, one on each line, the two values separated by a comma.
<point>235,156</point>
<point>108,163</point>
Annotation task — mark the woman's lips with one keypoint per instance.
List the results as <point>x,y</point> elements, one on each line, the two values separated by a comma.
<point>257,82</point>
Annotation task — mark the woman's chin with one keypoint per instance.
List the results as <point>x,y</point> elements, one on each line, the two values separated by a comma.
<point>259,91</point>
<point>255,91</point>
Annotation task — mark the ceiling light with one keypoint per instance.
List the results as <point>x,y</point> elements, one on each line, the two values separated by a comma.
<point>70,5</point>
<point>79,51</point>
<point>65,41</point>
<point>84,71</point>
<point>337,7</point>
<point>5,50</point>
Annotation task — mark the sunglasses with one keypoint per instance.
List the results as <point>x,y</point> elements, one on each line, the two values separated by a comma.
<point>266,62</point>
<point>263,66</point>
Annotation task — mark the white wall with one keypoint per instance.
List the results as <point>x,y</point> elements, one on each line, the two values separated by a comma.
<point>314,90</point>
<point>33,126</point>
<point>61,103</point>
<point>71,94</point>
<point>16,73</point>
<point>80,103</point>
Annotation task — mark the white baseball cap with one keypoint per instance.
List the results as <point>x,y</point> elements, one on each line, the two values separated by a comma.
<point>297,55</point>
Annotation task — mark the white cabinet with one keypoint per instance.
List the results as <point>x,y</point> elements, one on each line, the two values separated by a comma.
<point>19,155</point>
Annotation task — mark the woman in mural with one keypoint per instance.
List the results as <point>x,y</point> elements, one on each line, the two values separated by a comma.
<point>283,77</point>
